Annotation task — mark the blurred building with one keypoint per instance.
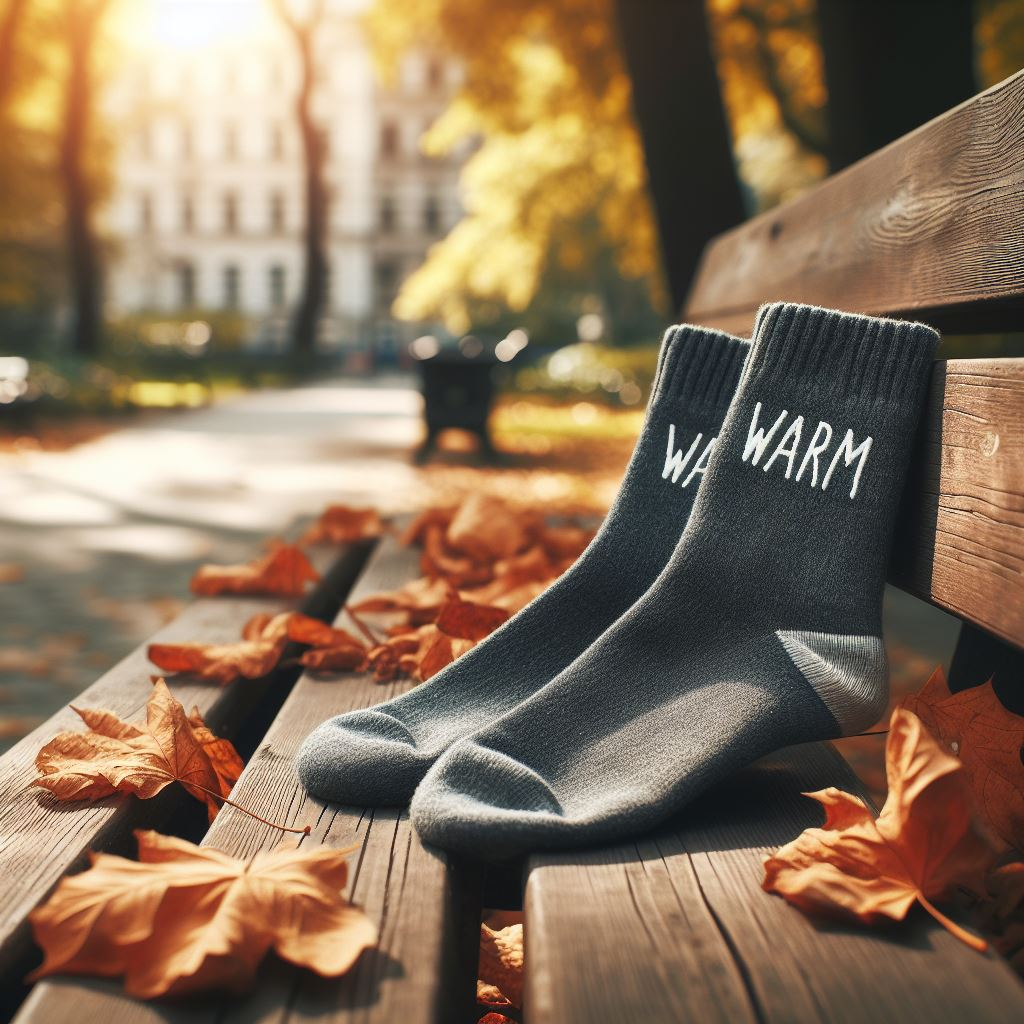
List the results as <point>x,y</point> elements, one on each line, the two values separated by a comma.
<point>206,211</point>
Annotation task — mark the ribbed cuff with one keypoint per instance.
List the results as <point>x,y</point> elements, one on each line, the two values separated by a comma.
<point>852,358</point>
<point>700,367</point>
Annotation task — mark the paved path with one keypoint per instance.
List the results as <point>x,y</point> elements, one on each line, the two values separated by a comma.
<point>98,543</point>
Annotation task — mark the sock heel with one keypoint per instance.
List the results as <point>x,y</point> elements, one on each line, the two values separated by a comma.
<point>849,673</point>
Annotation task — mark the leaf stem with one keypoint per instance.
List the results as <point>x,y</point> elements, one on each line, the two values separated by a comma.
<point>975,942</point>
<point>305,830</point>
<point>362,627</point>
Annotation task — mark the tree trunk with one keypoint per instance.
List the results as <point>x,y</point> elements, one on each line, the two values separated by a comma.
<point>686,138</point>
<point>314,273</point>
<point>9,27</point>
<point>891,65</point>
<point>84,261</point>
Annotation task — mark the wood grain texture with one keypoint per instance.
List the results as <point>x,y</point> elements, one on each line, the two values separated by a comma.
<point>960,538</point>
<point>931,226</point>
<point>427,909</point>
<point>675,927</point>
<point>41,838</point>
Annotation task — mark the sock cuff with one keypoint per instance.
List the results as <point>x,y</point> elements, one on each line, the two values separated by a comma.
<point>855,359</point>
<point>700,367</point>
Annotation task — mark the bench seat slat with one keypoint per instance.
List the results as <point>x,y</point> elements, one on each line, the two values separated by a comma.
<point>41,838</point>
<point>931,226</point>
<point>427,911</point>
<point>676,926</point>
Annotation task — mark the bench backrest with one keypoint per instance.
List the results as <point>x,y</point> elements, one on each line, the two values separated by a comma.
<point>930,228</point>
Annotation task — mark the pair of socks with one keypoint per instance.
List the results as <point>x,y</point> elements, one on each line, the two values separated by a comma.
<point>761,627</point>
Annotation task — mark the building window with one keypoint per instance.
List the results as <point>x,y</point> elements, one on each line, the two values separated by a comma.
<point>230,213</point>
<point>188,214</point>
<point>230,142</point>
<point>386,282</point>
<point>277,286</point>
<point>388,214</point>
<point>232,286</point>
<point>186,285</point>
<point>277,212</point>
<point>146,213</point>
<point>431,215</point>
<point>389,141</point>
<point>276,142</point>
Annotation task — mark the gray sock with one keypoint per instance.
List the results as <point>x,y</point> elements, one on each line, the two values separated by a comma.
<point>763,630</point>
<point>380,755</point>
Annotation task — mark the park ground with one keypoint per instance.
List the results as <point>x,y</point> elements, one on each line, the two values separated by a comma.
<point>101,527</point>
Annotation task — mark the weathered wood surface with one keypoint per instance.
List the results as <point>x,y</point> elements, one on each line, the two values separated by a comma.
<point>960,539</point>
<point>931,226</point>
<point>428,911</point>
<point>41,838</point>
<point>675,927</point>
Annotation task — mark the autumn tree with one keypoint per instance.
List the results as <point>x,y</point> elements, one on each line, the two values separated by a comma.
<point>30,208</point>
<point>82,21</point>
<point>303,22</point>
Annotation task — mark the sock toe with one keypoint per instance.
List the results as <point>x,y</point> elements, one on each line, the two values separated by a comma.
<point>363,757</point>
<point>467,800</point>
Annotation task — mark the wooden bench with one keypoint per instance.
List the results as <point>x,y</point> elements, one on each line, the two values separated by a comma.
<point>672,926</point>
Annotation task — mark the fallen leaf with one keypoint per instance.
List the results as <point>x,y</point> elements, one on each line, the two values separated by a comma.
<point>419,599</point>
<point>219,663</point>
<point>487,529</point>
<point>501,961</point>
<point>284,572</point>
<point>341,524</point>
<point>185,918</point>
<point>467,620</point>
<point>225,760</point>
<point>989,741</point>
<point>116,756</point>
<point>920,847</point>
<point>11,572</point>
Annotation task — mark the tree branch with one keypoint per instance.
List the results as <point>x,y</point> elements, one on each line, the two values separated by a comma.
<point>807,134</point>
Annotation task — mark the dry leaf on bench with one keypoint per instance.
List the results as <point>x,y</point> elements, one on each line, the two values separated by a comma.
<point>341,524</point>
<point>185,918</point>
<point>467,620</point>
<point>220,663</point>
<point>501,961</point>
<point>920,847</point>
<point>283,572</point>
<point>989,741</point>
<point>115,756</point>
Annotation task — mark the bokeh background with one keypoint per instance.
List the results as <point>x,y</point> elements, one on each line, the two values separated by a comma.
<point>232,232</point>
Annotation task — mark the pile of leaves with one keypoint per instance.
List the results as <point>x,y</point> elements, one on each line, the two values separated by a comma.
<point>952,824</point>
<point>481,562</point>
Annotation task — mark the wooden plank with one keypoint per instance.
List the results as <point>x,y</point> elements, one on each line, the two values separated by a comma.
<point>41,839</point>
<point>675,927</point>
<point>960,537</point>
<point>427,909</point>
<point>931,226</point>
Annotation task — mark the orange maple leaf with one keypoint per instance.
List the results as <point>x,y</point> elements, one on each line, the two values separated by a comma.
<point>342,524</point>
<point>284,572</point>
<point>989,741</point>
<point>920,847</point>
<point>116,756</point>
<point>185,918</point>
